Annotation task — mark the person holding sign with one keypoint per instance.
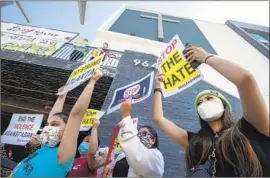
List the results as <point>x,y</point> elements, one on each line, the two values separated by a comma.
<point>88,162</point>
<point>59,140</point>
<point>222,147</point>
<point>141,154</point>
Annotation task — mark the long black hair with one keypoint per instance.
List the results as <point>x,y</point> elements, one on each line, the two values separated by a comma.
<point>154,133</point>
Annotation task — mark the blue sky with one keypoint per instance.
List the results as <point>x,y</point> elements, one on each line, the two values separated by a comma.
<point>65,15</point>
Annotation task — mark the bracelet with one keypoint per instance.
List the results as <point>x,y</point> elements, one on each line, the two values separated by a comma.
<point>158,89</point>
<point>207,58</point>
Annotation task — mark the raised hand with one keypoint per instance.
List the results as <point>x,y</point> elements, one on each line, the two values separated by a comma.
<point>97,75</point>
<point>159,77</point>
<point>96,123</point>
<point>195,53</point>
<point>126,108</point>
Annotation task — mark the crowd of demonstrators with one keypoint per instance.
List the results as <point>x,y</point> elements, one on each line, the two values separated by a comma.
<point>222,146</point>
<point>58,138</point>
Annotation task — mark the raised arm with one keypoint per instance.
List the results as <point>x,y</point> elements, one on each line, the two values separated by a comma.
<point>68,145</point>
<point>58,105</point>
<point>144,161</point>
<point>93,146</point>
<point>174,132</point>
<point>253,105</point>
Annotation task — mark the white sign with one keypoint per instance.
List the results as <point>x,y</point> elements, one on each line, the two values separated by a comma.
<point>138,91</point>
<point>21,128</point>
<point>178,73</point>
<point>31,39</point>
<point>80,75</point>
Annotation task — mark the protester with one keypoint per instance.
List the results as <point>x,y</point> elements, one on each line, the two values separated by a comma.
<point>232,148</point>
<point>58,138</point>
<point>88,162</point>
<point>141,156</point>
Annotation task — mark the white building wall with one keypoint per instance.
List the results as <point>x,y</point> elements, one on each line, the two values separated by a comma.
<point>224,40</point>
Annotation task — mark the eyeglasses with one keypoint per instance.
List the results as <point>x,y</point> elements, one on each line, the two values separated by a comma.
<point>145,133</point>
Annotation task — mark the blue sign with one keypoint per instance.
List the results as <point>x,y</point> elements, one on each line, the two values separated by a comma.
<point>138,90</point>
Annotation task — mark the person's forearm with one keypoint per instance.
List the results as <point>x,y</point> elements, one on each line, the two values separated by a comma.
<point>229,70</point>
<point>58,105</point>
<point>93,142</point>
<point>157,107</point>
<point>80,107</point>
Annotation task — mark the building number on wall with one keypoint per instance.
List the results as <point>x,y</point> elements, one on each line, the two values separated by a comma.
<point>145,64</point>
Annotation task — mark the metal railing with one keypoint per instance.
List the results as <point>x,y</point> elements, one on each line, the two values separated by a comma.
<point>83,53</point>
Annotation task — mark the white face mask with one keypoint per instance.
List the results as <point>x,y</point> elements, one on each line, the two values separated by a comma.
<point>210,111</point>
<point>49,136</point>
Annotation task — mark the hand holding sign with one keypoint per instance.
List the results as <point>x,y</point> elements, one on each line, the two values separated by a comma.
<point>34,140</point>
<point>96,123</point>
<point>126,108</point>
<point>97,75</point>
<point>159,77</point>
<point>193,53</point>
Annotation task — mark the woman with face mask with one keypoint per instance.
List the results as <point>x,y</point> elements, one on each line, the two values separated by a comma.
<point>140,156</point>
<point>88,163</point>
<point>58,138</point>
<point>222,147</point>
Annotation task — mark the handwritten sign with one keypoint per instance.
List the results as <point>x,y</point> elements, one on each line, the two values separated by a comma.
<point>80,75</point>
<point>34,40</point>
<point>89,117</point>
<point>179,74</point>
<point>138,90</point>
<point>119,137</point>
<point>21,128</point>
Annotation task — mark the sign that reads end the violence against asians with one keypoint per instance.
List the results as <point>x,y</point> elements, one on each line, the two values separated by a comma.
<point>90,116</point>
<point>80,75</point>
<point>21,128</point>
<point>178,73</point>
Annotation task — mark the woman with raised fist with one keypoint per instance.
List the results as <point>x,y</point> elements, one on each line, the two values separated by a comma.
<point>58,139</point>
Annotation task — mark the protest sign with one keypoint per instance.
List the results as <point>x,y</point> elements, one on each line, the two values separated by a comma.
<point>21,128</point>
<point>80,75</point>
<point>118,139</point>
<point>138,90</point>
<point>179,74</point>
<point>89,117</point>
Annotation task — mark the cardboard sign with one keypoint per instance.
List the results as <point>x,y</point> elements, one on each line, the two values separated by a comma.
<point>89,117</point>
<point>179,74</point>
<point>80,75</point>
<point>21,128</point>
<point>119,137</point>
<point>138,90</point>
<point>35,40</point>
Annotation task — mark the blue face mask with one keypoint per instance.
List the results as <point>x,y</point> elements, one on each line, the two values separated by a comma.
<point>83,148</point>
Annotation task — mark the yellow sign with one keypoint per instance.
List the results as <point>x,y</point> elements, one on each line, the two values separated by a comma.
<point>86,67</point>
<point>178,73</point>
<point>88,120</point>
<point>95,53</point>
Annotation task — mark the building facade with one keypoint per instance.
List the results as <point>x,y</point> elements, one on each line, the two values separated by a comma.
<point>147,31</point>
